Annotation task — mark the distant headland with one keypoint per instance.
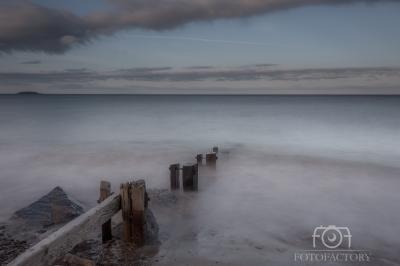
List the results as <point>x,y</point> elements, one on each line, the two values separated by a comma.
<point>28,92</point>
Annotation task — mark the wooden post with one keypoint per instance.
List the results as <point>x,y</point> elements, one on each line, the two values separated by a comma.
<point>105,192</point>
<point>199,158</point>
<point>126,211</point>
<point>174,175</point>
<point>138,201</point>
<point>215,149</point>
<point>195,170</point>
<point>211,158</point>
<point>190,176</point>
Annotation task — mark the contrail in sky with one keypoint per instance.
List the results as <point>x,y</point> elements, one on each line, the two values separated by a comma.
<point>209,40</point>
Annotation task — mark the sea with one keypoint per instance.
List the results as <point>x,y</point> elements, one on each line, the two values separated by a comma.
<point>286,165</point>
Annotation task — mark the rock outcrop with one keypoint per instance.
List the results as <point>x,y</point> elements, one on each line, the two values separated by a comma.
<point>151,227</point>
<point>55,207</point>
<point>161,196</point>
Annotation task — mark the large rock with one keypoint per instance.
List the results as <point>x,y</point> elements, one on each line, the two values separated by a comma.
<point>151,227</point>
<point>161,196</point>
<point>55,207</point>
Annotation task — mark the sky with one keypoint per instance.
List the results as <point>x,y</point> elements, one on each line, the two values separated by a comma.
<point>200,46</point>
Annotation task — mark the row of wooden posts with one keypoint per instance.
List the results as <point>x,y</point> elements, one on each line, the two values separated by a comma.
<point>132,200</point>
<point>190,171</point>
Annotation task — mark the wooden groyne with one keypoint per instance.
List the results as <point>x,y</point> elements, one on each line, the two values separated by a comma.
<point>58,244</point>
<point>132,199</point>
<point>67,237</point>
<point>190,171</point>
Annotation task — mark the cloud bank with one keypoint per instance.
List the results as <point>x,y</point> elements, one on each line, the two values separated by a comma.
<point>26,26</point>
<point>193,74</point>
<point>36,62</point>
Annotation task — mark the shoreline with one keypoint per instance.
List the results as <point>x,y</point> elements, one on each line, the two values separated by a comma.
<point>264,219</point>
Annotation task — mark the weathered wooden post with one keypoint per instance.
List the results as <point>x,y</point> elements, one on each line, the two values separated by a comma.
<point>105,192</point>
<point>215,149</point>
<point>211,158</point>
<point>134,202</point>
<point>126,211</point>
<point>190,176</point>
<point>138,201</point>
<point>174,175</point>
<point>199,158</point>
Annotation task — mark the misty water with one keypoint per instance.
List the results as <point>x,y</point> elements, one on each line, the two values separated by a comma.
<point>294,163</point>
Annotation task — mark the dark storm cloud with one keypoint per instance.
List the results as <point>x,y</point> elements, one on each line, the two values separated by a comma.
<point>36,62</point>
<point>25,26</point>
<point>29,27</point>
<point>167,74</point>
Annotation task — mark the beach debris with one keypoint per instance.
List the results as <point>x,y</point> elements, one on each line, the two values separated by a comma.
<point>76,260</point>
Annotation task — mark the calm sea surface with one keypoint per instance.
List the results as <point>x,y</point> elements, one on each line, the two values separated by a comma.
<point>354,127</point>
<point>337,157</point>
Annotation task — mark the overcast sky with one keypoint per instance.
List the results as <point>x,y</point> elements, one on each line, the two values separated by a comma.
<point>200,46</point>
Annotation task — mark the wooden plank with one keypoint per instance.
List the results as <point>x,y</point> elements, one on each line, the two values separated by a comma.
<point>190,176</point>
<point>66,238</point>
<point>126,211</point>
<point>105,192</point>
<point>174,176</point>
<point>138,193</point>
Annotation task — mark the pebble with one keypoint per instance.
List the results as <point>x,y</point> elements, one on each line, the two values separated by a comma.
<point>41,231</point>
<point>10,249</point>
